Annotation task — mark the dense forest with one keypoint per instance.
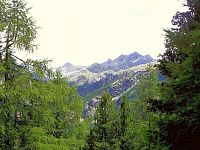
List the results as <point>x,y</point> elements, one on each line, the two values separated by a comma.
<point>40,110</point>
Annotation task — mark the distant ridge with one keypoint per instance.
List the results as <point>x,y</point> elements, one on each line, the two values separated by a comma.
<point>120,63</point>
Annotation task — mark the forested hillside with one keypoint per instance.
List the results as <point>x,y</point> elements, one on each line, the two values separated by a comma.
<point>39,110</point>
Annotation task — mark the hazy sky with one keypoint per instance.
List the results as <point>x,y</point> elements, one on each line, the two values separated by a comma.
<point>87,31</point>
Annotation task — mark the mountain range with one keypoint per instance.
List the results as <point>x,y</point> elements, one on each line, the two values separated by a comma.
<point>118,77</point>
<point>120,63</point>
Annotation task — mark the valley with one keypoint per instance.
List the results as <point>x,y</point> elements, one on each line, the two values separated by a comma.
<point>117,77</point>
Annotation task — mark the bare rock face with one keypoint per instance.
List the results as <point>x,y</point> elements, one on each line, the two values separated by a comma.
<point>120,63</point>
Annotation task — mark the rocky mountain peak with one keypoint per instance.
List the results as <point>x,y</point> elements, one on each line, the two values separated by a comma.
<point>120,63</point>
<point>135,55</point>
<point>67,65</point>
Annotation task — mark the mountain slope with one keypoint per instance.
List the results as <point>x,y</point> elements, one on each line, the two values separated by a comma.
<point>123,83</point>
<point>118,77</point>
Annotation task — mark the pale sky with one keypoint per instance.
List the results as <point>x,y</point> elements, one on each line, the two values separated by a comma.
<point>86,31</point>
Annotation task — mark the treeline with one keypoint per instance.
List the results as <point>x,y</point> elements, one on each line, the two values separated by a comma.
<point>38,110</point>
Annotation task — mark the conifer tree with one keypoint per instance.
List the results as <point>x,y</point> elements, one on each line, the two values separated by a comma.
<point>181,93</point>
<point>103,131</point>
<point>145,131</point>
<point>124,124</point>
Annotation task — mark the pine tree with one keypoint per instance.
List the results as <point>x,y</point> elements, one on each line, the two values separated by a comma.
<point>181,93</point>
<point>124,124</point>
<point>103,131</point>
<point>145,131</point>
<point>90,145</point>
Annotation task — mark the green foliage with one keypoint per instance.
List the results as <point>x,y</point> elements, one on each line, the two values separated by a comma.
<point>38,139</point>
<point>134,125</point>
<point>148,86</point>
<point>103,133</point>
<point>180,94</point>
<point>38,110</point>
<point>51,105</point>
<point>17,27</point>
<point>143,129</point>
<point>124,125</point>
